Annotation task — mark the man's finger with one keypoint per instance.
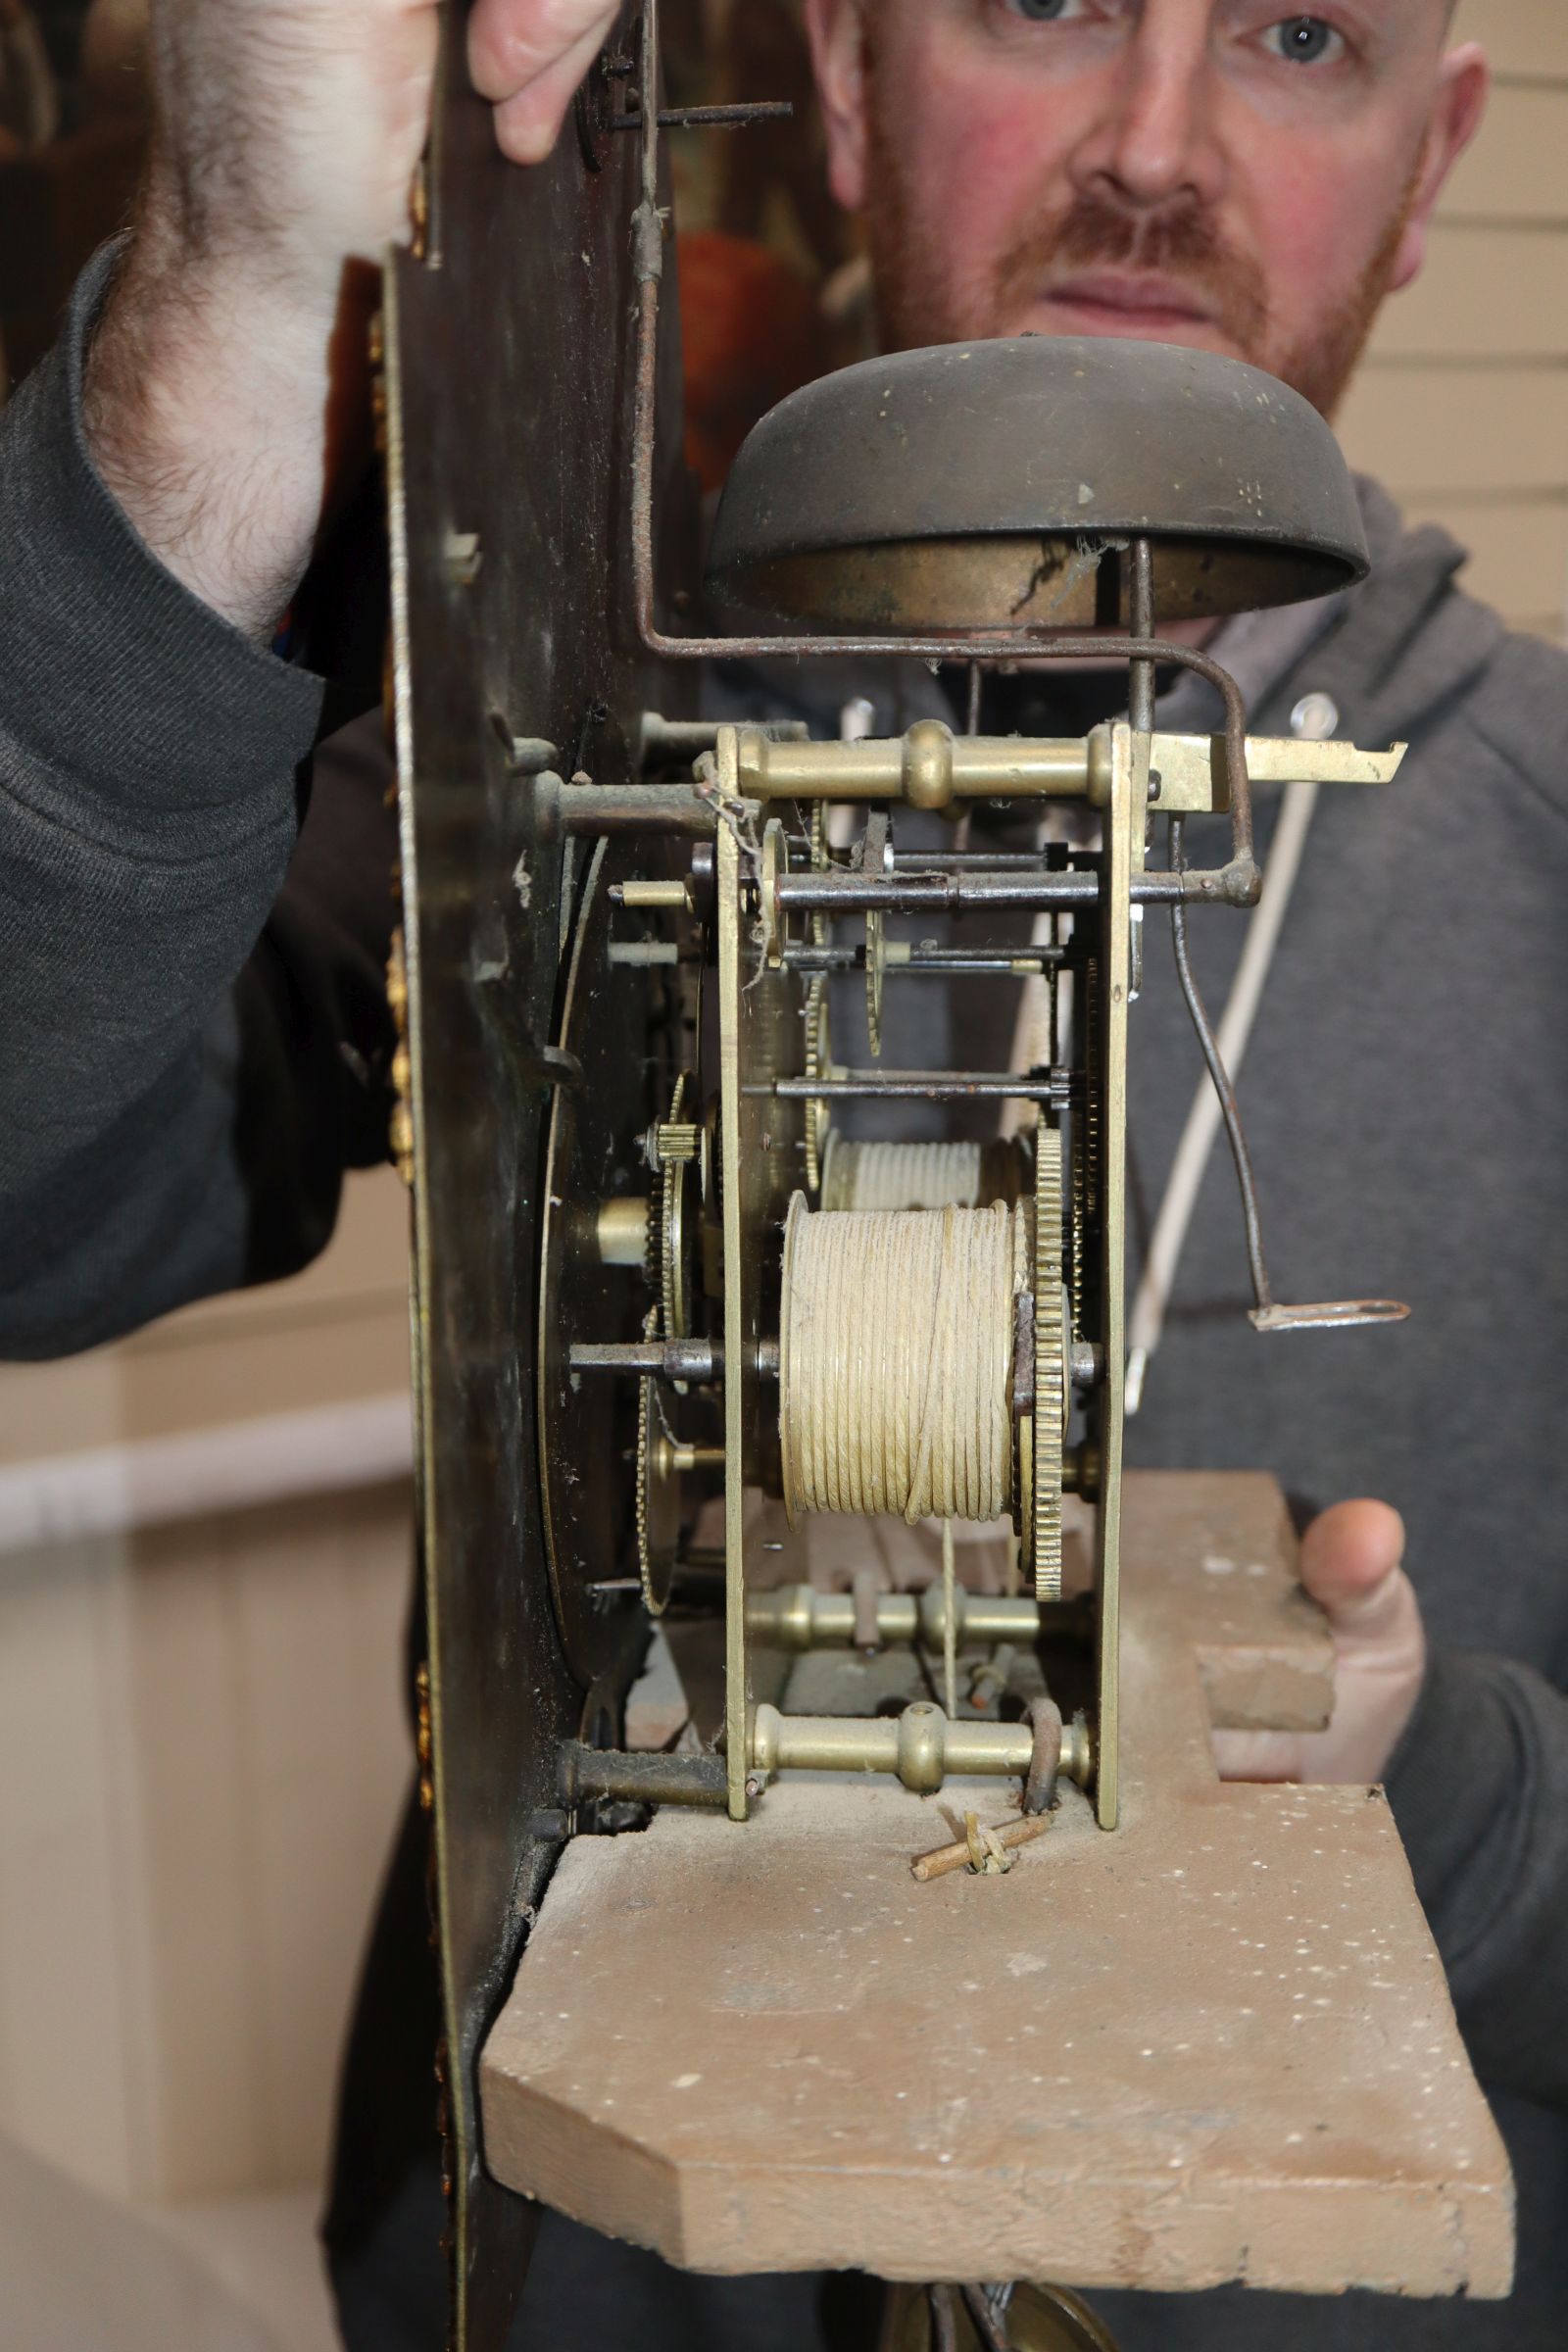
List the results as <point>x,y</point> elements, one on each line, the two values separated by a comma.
<point>513,42</point>
<point>1351,1564</point>
<point>528,123</point>
<point>1257,1755</point>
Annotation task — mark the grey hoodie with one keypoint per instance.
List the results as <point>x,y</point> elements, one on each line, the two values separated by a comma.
<point>1406,1097</point>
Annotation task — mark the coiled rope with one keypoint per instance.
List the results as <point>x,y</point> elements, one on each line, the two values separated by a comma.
<point>894,1176</point>
<point>938,1175</point>
<point>895,1360</point>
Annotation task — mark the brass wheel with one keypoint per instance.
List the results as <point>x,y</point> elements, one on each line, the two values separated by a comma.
<point>1035,2318</point>
<point>1052,1396</point>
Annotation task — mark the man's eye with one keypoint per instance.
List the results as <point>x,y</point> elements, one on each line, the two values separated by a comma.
<point>1306,40</point>
<point>1046,11</point>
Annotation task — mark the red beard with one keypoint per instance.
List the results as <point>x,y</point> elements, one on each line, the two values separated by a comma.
<point>919,303</point>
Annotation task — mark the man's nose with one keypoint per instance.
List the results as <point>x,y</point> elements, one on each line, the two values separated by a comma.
<point>1155,133</point>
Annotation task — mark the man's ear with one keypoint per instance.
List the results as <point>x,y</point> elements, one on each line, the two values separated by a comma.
<point>1464,84</point>
<point>838,36</point>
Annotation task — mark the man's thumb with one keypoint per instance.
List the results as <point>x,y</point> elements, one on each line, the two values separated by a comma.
<point>1349,1559</point>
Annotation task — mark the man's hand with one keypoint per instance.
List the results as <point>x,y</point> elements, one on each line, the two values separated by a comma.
<point>286,137</point>
<point>527,58</point>
<point>1351,1566</point>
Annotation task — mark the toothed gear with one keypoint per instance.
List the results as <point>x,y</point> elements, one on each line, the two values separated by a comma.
<point>876,965</point>
<point>653,1573</point>
<point>1050,1369</point>
<point>676,1148</point>
<point>678,1151</point>
<point>658,1504</point>
<point>1087,1155</point>
<point>669,1256</point>
<point>819,1054</point>
<point>818,1048</point>
<point>1080,1223</point>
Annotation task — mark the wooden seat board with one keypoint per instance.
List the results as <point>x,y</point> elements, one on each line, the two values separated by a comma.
<point>1215,2046</point>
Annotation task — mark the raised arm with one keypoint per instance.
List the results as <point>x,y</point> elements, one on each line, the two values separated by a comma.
<point>220,392</point>
<point>164,477</point>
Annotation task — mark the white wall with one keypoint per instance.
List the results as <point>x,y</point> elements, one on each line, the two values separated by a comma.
<point>1462,407</point>
<point>202,1753</point>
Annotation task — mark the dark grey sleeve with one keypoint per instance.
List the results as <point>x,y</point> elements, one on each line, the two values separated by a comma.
<point>1479,1787</point>
<point>148,759</point>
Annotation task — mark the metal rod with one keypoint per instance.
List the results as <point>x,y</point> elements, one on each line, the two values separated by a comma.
<point>1209,1046</point>
<point>936,894</point>
<point>939,960</point>
<point>1141,612</point>
<point>1331,1315</point>
<point>713,117</point>
<point>674,1460</point>
<point>610,810</point>
<point>929,768</point>
<point>929,893</point>
<point>922,1746</point>
<point>662,737</point>
<point>916,1086</point>
<point>944,2324</point>
<point>994,2336</point>
<point>799,1617</point>
<point>586,1773</point>
<point>1022,1830</point>
<point>698,1360</point>
<point>647,98</point>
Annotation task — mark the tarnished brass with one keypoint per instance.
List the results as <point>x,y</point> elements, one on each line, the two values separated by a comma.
<point>931,767</point>
<point>977,1850</point>
<point>658,1503</point>
<point>998,485</point>
<point>762,1150</point>
<point>592,1132</point>
<point>1007,581</point>
<point>921,1748</point>
<point>1124,771</point>
<point>1191,769</point>
<point>400,1134</point>
<point>1126,823</point>
<point>799,1617</point>
<point>1051,1387</point>
<point>675,1146</point>
<point>674,1460</point>
<point>1039,2318</point>
<point>750,1152</point>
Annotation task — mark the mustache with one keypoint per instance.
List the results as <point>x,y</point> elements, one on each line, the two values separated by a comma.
<point>1181,241</point>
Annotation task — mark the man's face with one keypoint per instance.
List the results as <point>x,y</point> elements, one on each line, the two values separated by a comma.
<point>1214,172</point>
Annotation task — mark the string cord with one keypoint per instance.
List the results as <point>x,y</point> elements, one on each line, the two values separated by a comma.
<point>896,1362</point>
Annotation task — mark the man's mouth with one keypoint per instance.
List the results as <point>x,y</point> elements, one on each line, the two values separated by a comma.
<point>1113,302</point>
